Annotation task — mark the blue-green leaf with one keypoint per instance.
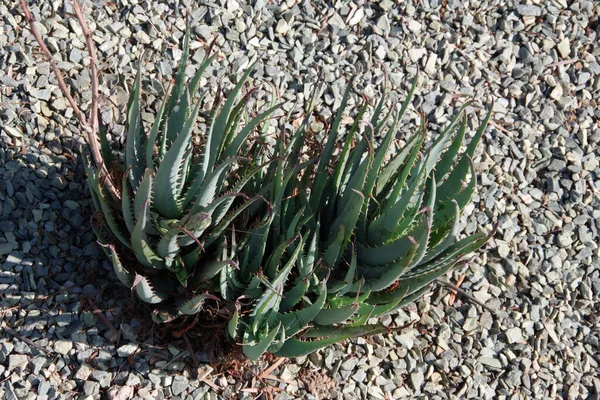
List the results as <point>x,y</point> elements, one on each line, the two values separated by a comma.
<point>134,159</point>
<point>167,189</point>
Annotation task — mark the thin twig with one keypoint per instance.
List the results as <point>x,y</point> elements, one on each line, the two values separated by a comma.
<point>465,294</point>
<point>103,317</point>
<point>93,65</point>
<point>92,127</point>
<point>271,368</point>
<point>191,350</point>
<point>89,127</point>
<point>453,294</point>
<point>563,62</point>
<point>27,340</point>
<point>61,82</point>
<point>498,126</point>
<point>177,357</point>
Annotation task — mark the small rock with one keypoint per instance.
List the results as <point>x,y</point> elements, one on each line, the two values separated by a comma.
<point>282,27</point>
<point>179,385</point>
<point>360,376</point>
<point>357,17</point>
<point>71,205</point>
<point>513,335</point>
<point>583,78</point>
<point>529,10</point>
<point>127,350</point>
<point>417,379</point>
<point>490,362</point>
<point>336,21</point>
<point>41,94</point>
<point>591,163</point>
<point>6,248</point>
<point>349,364</point>
<point>17,361</point>
<point>414,26</point>
<point>556,93</point>
<point>430,66</point>
<point>384,25</point>
<point>470,324</point>
<point>503,249</point>
<point>405,340</point>
<point>5,349</point>
<point>38,363</point>
<point>564,48</point>
<point>63,346</point>
<point>75,56</point>
<point>205,32</point>
<point>564,240</point>
<point>132,380</point>
<point>386,5</point>
<point>120,393</point>
<point>43,388</point>
<point>83,372</point>
<point>415,54</point>
<point>142,37</point>
<point>103,378</point>
<point>482,296</point>
<point>91,388</point>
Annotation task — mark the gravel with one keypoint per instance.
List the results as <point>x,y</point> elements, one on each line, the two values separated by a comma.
<point>538,167</point>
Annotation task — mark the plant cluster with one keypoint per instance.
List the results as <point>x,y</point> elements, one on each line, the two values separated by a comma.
<point>293,252</point>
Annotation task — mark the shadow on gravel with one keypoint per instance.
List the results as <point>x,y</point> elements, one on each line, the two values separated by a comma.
<point>54,279</point>
<point>60,300</point>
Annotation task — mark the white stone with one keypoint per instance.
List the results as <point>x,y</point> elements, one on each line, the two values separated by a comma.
<point>490,362</point>
<point>177,53</point>
<point>556,93</point>
<point>405,340</point>
<point>430,65</point>
<point>564,48</point>
<point>63,346</point>
<point>415,54</point>
<point>417,379</point>
<point>470,324</point>
<point>127,350</point>
<point>386,5</point>
<point>83,372</point>
<point>282,27</point>
<point>16,361</point>
<point>513,335</point>
<point>414,26</point>
<point>357,17</point>
<point>142,37</point>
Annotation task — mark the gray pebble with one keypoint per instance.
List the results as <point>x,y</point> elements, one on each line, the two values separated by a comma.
<point>529,10</point>
<point>17,361</point>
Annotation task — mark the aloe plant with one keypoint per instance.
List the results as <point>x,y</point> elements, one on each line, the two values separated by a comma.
<point>175,202</point>
<point>298,253</point>
<point>352,236</point>
<point>294,253</point>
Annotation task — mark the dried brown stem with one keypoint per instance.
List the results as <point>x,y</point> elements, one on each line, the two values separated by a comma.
<point>27,340</point>
<point>61,82</point>
<point>91,126</point>
<point>103,317</point>
<point>466,295</point>
<point>93,65</point>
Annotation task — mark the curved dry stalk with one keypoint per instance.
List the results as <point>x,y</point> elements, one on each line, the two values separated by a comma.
<point>61,82</point>
<point>91,126</point>
<point>93,65</point>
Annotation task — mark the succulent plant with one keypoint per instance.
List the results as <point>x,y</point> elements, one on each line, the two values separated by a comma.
<point>362,232</point>
<point>297,253</point>
<point>294,251</point>
<point>175,201</point>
